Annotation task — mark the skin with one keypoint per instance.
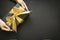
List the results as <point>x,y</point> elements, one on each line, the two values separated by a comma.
<point>3,26</point>
<point>23,4</point>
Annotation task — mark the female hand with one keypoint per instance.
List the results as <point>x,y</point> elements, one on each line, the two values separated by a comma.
<point>23,4</point>
<point>3,26</point>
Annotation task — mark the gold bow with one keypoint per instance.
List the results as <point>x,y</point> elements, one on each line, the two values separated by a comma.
<point>11,19</point>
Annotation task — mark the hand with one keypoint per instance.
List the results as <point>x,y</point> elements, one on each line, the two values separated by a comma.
<point>3,26</point>
<point>19,1</point>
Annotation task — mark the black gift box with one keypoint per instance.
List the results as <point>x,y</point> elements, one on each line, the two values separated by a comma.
<point>22,16</point>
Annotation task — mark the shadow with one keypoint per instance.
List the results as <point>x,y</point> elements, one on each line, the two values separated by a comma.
<point>25,19</point>
<point>4,35</point>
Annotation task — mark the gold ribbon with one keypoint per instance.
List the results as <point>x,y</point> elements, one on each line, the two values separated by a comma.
<point>10,20</point>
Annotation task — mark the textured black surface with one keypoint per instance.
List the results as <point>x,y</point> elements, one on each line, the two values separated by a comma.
<point>42,24</point>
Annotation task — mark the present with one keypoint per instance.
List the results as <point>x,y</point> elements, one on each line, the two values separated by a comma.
<point>15,16</point>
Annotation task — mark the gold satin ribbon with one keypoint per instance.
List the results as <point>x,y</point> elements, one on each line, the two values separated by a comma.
<point>11,20</point>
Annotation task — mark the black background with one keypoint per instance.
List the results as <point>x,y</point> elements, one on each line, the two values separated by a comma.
<point>42,24</point>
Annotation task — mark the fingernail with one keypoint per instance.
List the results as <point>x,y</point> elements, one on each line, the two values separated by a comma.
<point>11,30</point>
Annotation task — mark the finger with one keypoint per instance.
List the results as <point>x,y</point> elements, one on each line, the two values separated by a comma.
<point>7,27</point>
<point>3,28</point>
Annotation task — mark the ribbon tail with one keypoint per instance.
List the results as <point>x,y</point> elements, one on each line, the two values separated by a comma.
<point>26,12</point>
<point>11,12</point>
<point>14,25</point>
<point>20,20</point>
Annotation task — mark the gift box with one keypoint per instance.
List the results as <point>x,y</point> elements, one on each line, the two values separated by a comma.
<point>15,16</point>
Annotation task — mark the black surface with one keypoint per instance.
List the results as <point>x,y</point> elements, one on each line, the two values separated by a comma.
<point>42,24</point>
